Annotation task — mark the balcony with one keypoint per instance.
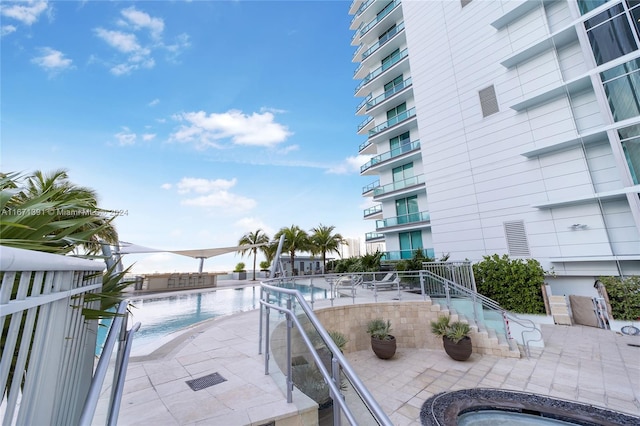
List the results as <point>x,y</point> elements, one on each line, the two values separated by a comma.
<point>381,69</point>
<point>382,41</point>
<point>363,126</point>
<point>386,95</point>
<point>393,121</point>
<point>363,103</point>
<point>408,147</point>
<point>367,147</point>
<point>370,187</point>
<point>381,15</point>
<point>403,220</point>
<point>407,254</point>
<point>396,186</point>
<point>362,8</point>
<point>370,236</point>
<point>371,211</point>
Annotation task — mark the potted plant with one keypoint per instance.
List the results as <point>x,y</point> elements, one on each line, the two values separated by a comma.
<point>383,344</point>
<point>455,337</point>
<point>240,272</point>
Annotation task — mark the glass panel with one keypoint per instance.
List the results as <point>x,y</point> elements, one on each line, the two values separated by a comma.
<point>588,5</point>
<point>604,16</point>
<point>630,137</point>
<point>635,14</point>
<point>391,59</point>
<point>623,90</point>
<point>611,39</point>
<point>401,207</point>
<point>393,83</point>
<point>405,245</point>
<point>412,204</point>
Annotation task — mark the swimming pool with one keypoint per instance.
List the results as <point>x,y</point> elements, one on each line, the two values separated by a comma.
<point>164,317</point>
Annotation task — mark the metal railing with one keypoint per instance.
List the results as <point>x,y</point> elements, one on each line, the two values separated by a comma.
<point>49,347</point>
<point>360,409</point>
<point>396,152</point>
<point>403,220</point>
<point>403,116</point>
<point>398,185</point>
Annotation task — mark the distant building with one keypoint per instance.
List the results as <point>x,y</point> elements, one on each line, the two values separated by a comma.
<point>509,127</point>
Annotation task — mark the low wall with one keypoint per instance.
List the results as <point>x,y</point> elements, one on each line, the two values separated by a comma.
<point>164,282</point>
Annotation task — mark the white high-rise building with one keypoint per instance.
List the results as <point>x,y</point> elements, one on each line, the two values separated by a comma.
<point>508,127</point>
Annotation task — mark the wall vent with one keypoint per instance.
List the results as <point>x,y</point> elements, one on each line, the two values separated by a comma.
<point>488,101</point>
<point>517,239</point>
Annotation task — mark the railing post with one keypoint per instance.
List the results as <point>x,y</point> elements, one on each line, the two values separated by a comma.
<point>335,373</point>
<point>266,337</point>
<point>422,289</point>
<point>289,367</point>
<point>260,323</point>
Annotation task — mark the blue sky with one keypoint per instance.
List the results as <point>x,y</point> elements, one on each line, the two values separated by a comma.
<point>202,120</point>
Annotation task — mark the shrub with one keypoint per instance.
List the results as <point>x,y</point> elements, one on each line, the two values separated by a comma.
<point>379,329</point>
<point>515,284</point>
<point>239,267</point>
<point>624,296</point>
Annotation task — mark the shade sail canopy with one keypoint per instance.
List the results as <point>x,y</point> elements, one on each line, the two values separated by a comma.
<point>129,248</point>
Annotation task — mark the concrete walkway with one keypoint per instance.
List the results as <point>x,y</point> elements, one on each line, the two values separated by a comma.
<point>578,363</point>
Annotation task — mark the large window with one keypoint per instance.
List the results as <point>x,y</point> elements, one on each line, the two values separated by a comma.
<point>610,34</point>
<point>622,87</point>
<point>588,5</point>
<point>390,60</point>
<point>630,138</point>
<point>393,83</point>
<point>399,144</point>
<point>403,172</point>
<point>409,242</point>
<point>394,112</point>
<point>407,210</point>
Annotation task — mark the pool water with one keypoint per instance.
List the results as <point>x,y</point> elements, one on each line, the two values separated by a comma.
<point>162,317</point>
<point>505,418</point>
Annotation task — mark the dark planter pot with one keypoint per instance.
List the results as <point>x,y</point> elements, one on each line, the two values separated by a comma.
<point>460,351</point>
<point>384,349</point>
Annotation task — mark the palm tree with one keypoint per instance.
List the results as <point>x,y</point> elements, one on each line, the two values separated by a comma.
<point>295,238</point>
<point>324,241</point>
<point>251,238</point>
<point>46,212</point>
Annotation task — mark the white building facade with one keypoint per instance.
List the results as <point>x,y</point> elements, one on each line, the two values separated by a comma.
<point>508,127</point>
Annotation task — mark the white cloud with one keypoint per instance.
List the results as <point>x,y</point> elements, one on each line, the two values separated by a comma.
<point>148,137</point>
<point>126,137</point>
<point>26,14</point>
<point>253,130</point>
<point>251,224</point>
<point>7,29</point>
<point>349,165</point>
<point>143,20</point>
<point>166,186</point>
<point>199,185</point>
<point>287,149</point>
<point>212,193</point>
<point>154,102</point>
<point>124,42</point>
<point>52,60</point>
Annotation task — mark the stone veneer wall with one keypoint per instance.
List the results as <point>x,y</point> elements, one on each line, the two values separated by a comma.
<point>410,324</point>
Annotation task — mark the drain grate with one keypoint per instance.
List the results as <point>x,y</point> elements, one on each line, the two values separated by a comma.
<point>206,381</point>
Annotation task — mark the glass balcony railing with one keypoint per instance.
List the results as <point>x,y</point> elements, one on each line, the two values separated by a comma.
<point>363,103</point>
<point>393,121</point>
<point>362,8</point>
<point>390,154</point>
<point>375,73</point>
<point>407,254</point>
<point>373,210</point>
<point>403,220</point>
<point>373,236</point>
<point>364,123</point>
<point>381,42</point>
<point>371,186</point>
<point>381,15</point>
<point>395,186</point>
<point>386,95</point>
<point>363,145</point>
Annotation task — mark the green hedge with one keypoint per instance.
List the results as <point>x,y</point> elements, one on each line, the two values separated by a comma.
<point>624,296</point>
<point>516,284</point>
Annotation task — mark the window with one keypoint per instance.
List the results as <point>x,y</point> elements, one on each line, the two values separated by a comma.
<point>622,88</point>
<point>400,144</point>
<point>488,101</point>
<point>393,83</point>
<point>390,60</point>
<point>610,34</point>
<point>630,139</point>
<point>403,172</point>
<point>409,242</point>
<point>407,210</point>
<point>385,10</point>
<point>394,112</point>
<point>588,5</point>
<point>634,5</point>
